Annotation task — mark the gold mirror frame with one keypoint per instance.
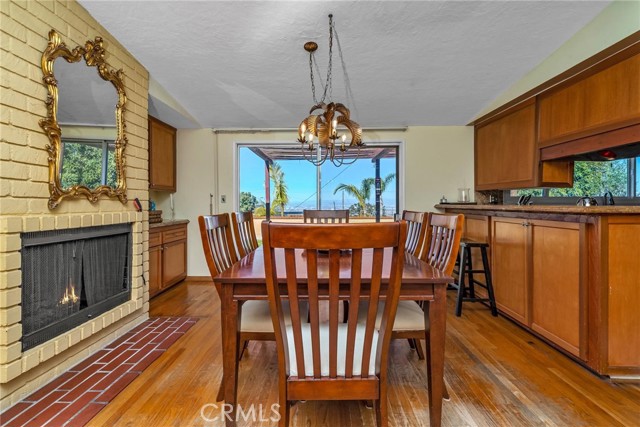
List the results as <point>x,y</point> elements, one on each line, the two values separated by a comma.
<point>93,54</point>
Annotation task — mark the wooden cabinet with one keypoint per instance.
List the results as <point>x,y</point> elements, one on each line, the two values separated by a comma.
<point>510,267</point>
<point>162,156</point>
<point>556,283</point>
<point>167,256</point>
<point>599,102</point>
<point>507,157</point>
<point>537,277</point>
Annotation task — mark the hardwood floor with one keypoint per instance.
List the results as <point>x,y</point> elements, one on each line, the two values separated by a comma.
<point>497,374</point>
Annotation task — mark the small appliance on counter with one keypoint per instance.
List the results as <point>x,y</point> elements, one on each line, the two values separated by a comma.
<point>587,201</point>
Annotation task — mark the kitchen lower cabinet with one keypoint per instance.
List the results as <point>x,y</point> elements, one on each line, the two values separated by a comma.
<point>167,256</point>
<point>537,277</point>
<point>556,279</point>
<point>510,266</point>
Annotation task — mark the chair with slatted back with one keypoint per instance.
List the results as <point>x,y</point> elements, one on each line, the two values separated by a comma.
<point>333,360</point>
<point>217,243</point>
<point>417,224</point>
<point>325,216</point>
<point>244,232</point>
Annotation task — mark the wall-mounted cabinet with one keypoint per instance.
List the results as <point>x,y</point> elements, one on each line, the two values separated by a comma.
<point>507,156</point>
<point>162,156</point>
<point>167,256</point>
<point>599,102</point>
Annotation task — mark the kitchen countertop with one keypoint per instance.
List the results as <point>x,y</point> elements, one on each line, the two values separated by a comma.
<point>581,210</point>
<point>168,223</point>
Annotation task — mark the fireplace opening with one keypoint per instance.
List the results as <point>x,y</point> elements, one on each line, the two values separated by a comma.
<point>70,276</point>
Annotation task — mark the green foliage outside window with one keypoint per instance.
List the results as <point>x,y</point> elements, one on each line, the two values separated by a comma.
<point>248,202</point>
<point>595,179</point>
<point>82,164</point>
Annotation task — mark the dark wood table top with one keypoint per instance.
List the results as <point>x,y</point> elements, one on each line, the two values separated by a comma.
<point>250,269</point>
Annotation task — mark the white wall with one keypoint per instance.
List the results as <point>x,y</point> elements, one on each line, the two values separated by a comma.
<point>617,21</point>
<point>437,161</point>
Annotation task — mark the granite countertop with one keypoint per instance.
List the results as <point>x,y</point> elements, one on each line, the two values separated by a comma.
<point>169,222</point>
<point>584,210</point>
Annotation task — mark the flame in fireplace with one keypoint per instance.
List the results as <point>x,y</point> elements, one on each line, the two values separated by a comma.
<point>69,296</point>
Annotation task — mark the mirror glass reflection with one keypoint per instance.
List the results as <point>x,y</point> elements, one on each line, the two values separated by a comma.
<point>87,119</point>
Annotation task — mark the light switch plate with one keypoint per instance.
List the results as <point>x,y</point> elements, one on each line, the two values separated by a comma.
<point>223,199</point>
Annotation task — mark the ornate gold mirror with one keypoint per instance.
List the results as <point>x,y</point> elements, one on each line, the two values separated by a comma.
<point>86,133</point>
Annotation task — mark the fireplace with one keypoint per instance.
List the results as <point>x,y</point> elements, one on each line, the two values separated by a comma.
<point>70,276</point>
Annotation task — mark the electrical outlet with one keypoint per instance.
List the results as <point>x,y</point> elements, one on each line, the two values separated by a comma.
<point>223,199</point>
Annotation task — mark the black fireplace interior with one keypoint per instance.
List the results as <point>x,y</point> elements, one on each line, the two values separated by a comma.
<point>70,276</point>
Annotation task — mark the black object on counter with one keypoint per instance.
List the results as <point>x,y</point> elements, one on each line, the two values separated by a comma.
<point>608,199</point>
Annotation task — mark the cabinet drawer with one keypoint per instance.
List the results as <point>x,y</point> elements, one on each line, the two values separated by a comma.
<point>174,234</point>
<point>155,239</point>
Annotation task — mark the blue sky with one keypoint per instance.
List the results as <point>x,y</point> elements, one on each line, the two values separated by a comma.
<point>300,177</point>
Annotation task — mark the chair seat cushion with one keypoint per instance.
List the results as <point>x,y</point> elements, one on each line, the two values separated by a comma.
<point>256,315</point>
<point>409,317</point>
<point>324,350</point>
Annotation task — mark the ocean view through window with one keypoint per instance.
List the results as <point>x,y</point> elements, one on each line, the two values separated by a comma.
<point>296,184</point>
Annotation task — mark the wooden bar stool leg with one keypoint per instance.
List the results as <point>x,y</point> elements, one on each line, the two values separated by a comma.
<point>463,263</point>
<point>487,275</point>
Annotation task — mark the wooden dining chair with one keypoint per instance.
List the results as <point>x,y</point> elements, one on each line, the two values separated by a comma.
<point>417,224</point>
<point>325,216</point>
<point>217,243</point>
<point>333,360</point>
<point>244,232</point>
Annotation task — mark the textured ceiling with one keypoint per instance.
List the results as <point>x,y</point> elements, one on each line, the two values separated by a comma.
<point>241,64</point>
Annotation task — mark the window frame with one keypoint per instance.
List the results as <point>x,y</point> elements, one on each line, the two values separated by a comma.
<point>400,165</point>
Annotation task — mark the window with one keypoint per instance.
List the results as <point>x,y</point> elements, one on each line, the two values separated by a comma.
<point>296,184</point>
<point>88,162</point>
<point>620,177</point>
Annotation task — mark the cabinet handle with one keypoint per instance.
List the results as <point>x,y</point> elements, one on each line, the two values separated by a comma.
<point>525,224</point>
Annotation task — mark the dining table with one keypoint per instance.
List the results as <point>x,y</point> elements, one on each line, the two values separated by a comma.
<point>245,280</point>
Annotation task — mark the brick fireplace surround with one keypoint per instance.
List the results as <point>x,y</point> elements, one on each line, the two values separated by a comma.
<point>24,190</point>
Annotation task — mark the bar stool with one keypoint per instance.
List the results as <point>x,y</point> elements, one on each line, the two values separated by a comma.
<point>466,269</point>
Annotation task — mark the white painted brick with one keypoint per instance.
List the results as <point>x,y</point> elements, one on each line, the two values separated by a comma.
<point>10,224</point>
<point>107,219</point>
<point>10,353</point>
<point>75,221</point>
<point>10,170</point>
<point>37,206</point>
<point>10,261</point>
<point>10,279</point>
<point>10,371</point>
<point>97,219</point>
<point>29,189</point>
<point>10,334</point>
<point>86,330</point>
<point>47,351</point>
<point>10,316</point>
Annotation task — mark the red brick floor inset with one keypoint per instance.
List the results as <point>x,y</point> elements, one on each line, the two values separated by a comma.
<point>76,396</point>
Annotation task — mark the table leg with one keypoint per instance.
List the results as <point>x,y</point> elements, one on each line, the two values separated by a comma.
<point>437,316</point>
<point>231,314</point>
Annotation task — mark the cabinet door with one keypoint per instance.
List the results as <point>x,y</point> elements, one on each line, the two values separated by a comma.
<point>174,262</point>
<point>505,151</point>
<point>604,101</point>
<point>155,269</point>
<point>510,266</point>
<point>162,156</point>
<point>556,283</point>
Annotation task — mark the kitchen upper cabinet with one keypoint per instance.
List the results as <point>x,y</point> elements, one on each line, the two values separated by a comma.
<point>167,256</point>
<point>599,102</point>
<point>162,156</point>
<point>507,157</point>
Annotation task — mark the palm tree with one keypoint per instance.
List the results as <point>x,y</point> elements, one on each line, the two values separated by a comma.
<point>363,193</point>
<point>280,196</point>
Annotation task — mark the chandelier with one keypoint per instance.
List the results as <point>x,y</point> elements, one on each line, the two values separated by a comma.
<point>324,135</point>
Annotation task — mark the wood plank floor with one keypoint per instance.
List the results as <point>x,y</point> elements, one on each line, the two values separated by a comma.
<point>497,374</point>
